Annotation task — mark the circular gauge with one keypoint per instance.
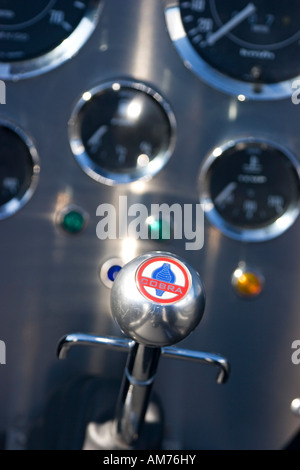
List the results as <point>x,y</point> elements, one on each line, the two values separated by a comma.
<point>19,169</point>
<point>121,132</point>
<point>39,35</point>
<point>250,189</point>
<point>239,46</point>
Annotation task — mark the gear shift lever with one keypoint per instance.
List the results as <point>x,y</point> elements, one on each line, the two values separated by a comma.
<point>157,300</point>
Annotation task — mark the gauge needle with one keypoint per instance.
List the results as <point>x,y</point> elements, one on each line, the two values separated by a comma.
<point>95,140</point>
<point>235,21</point>
<point>225,193</point>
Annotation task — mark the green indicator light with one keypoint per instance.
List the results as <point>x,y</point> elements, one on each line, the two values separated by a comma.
<point>73,221</point>
<point>158,229</point>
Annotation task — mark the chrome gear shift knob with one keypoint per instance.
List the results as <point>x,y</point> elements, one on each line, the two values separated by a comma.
<point>157,299</point>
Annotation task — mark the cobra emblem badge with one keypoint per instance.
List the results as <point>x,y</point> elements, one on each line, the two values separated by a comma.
<point>163,280</point>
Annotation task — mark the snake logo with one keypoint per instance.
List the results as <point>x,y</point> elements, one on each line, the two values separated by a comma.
<point>163,280</point>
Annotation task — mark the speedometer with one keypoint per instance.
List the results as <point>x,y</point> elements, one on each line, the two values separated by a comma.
<point>39,35</point>
<point>239,46</point>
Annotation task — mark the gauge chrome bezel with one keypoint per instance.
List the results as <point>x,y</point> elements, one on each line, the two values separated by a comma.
<point>260,234</point>
<point>67,49</point>
<point>16,203</point>
<point>210,75</point>
<point>103,175</point>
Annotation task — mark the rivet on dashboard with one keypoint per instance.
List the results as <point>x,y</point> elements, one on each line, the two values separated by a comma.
<point>295,406</point>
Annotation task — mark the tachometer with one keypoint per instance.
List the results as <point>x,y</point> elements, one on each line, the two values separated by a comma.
<point>240,46</point>
<point>39,35</point>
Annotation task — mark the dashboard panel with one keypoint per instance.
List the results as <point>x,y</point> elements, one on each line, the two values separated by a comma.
<point>129,106</point>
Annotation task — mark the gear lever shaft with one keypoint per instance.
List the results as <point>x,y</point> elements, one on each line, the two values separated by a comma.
<point>157,300</point>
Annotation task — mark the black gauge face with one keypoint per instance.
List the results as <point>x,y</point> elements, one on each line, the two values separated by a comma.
<point>39,35</point>
<point>254,41</point>
<point>251,190</point>
<point>125,132</point>
<point>31,28</point>
<point>18,171</point>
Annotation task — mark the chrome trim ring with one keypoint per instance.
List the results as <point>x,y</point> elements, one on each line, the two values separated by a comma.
<point>109,177</point>
<point>60,54</point>
<point>18,201</point>
<point>269,231</point>
<point>194,62</point>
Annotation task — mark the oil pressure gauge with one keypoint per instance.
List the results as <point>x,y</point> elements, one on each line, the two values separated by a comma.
<point>250,189</point>
<point>248,47</point>
<point>122,131</point>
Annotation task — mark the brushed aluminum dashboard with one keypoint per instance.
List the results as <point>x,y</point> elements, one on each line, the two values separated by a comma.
<point>50,283</point>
